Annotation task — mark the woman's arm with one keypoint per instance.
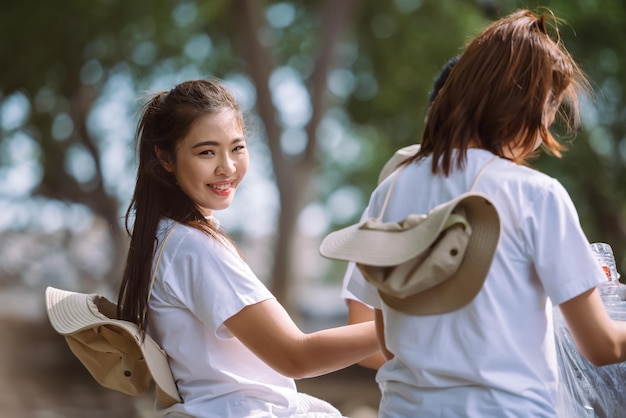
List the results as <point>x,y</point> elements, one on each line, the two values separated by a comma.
<point>380,333</point>
<point>598,338</point>
<point>357,313</point>
<point>270,333</point>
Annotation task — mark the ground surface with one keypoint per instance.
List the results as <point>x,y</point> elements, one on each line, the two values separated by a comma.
<point>40,378</point>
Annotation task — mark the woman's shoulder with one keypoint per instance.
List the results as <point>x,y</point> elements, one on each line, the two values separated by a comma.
<point>185,247</point>
<point>188,238</point>
<point>507,171</point>
<point>525,186</point>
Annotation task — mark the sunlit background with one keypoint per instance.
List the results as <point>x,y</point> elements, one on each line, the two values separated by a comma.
<point>330,90</point>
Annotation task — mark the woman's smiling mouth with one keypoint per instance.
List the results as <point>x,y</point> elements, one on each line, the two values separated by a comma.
<point>221,188</point>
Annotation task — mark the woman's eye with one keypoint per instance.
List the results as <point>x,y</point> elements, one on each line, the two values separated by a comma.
<point>239,148</point>
<point>207,152</point>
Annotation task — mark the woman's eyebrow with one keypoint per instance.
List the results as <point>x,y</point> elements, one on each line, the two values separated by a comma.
<point>216,144</point>
<point>205,144</point>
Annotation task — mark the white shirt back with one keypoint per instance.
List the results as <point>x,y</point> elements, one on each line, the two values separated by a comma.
<point>495,357</point>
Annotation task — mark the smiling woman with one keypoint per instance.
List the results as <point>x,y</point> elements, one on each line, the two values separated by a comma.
<point>233,350</point>
<point>210,161</point>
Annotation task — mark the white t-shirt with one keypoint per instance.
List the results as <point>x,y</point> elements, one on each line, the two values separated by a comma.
<point>495,357</point>
<point>352,271</point>
<point>199,284</point>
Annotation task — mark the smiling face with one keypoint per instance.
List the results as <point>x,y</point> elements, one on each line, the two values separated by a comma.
<point>211,161</point>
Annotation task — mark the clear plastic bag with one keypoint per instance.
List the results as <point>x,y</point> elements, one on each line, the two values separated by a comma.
<point>586,390</point>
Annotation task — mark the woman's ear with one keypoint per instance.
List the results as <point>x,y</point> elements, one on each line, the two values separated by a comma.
<point>164,159</point>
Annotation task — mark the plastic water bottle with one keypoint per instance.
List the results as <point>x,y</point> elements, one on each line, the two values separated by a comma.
<point>609,290</point>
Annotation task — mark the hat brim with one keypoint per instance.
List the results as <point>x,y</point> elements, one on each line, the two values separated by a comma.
<point>463,286</point>
<point>71,312</point>
<point>377,247</point>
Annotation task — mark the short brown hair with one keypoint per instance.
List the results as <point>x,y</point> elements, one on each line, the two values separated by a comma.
<point>498,94</point>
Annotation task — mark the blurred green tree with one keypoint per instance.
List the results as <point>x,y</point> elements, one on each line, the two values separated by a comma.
<point>366,68</point>
<point>403,63</point>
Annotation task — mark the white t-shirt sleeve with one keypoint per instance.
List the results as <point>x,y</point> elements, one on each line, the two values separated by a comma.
<point>351,270</point>
<point>362,291</point>
<point>212,281</point>
<point>353,279</point>
<point>345,293</point>
<point>563,258</point>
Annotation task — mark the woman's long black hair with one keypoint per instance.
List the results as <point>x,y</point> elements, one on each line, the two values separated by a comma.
<point>165,120</point>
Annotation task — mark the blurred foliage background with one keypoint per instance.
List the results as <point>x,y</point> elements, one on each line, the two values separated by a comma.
<point>330,88</point>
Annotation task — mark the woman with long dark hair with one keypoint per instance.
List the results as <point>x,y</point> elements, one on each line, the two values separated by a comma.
<point>233,349</point>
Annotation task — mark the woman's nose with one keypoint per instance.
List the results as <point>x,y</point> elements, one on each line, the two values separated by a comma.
<point>226,166</point>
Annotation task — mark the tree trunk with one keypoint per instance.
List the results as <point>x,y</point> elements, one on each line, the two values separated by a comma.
<point>293,175</point>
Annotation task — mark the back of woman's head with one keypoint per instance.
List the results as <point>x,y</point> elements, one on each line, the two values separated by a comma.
<point>165,120</point>
<point>503,93</point>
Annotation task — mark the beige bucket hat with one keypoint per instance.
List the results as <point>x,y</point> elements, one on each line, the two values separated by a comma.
<point>112,350</point>
<point>428,263</point>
